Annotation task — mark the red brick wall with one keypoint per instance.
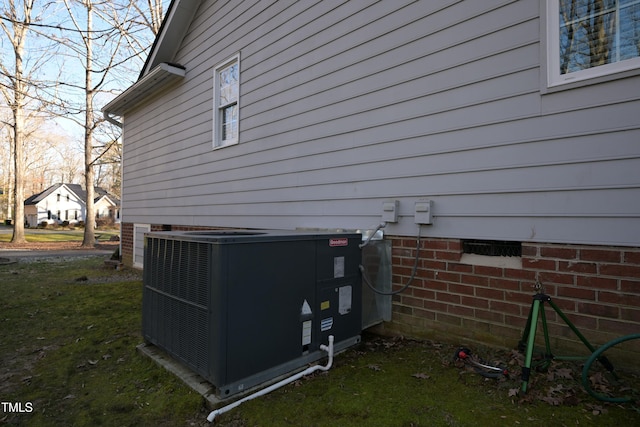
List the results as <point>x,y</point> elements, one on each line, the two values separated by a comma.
<point>597,288</point>
<point>126,238</point>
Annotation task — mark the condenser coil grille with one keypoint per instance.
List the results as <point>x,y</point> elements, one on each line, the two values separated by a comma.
<point>177,295</point>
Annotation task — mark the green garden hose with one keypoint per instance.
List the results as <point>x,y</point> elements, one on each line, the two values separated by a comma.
<point>597,355</point>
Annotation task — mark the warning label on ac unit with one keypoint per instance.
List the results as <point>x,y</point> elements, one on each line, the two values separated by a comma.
<point>306,332</point>
<point>326,324</point>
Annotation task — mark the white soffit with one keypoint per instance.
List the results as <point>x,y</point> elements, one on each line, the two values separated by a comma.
<point>162,75</point>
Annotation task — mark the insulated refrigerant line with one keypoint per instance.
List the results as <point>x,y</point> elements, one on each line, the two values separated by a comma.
<point>310,370</point>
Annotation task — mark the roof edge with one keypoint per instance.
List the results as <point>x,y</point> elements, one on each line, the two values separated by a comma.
<point>173,29</point>
<point>162,75</point>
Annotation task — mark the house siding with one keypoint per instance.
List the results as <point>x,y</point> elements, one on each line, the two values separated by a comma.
<point>347,104</point>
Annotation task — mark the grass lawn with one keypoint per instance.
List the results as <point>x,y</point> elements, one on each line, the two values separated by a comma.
<point>68,331</point>
<point>56,235</point>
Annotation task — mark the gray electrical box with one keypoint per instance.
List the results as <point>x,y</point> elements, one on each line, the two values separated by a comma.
<point>243,307</point>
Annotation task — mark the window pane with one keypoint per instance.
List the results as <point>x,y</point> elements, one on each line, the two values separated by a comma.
<point>597,32</point>
<point>229,84</point>
<point>629,30</point>
<point>230,122</point>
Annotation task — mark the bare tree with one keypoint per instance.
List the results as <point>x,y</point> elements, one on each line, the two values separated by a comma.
<point>108,165</point>
<point>6,167</point>
<point>16,18</point>
<point>123,33</point>
<point>100,49</point>
<point>104,43</point>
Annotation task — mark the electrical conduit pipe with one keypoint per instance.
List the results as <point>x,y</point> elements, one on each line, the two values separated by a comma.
<point>267,390</point>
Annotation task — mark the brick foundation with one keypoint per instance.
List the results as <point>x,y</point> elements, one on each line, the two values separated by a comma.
<point>598,289</point>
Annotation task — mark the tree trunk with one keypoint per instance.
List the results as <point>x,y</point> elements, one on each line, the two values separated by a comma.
<point>89,238</point>
<point>18,184</point>
<point>19,90</point>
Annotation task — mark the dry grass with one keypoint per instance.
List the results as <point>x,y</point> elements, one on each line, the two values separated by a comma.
<point>68,331</point>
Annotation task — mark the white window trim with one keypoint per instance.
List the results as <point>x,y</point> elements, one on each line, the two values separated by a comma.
<point>144,228</point>
<point>554,78</point>
<point>217,130</point>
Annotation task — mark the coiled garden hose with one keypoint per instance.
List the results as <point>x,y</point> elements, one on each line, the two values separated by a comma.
<point>597,355</point>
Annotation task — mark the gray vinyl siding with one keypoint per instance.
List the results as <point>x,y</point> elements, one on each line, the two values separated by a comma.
<point>346,104</point>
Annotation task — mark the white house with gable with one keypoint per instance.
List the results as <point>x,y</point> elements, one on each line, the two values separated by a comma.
<point>66,202</point>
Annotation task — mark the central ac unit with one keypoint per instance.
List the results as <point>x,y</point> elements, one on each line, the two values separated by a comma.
<point>243,307</point>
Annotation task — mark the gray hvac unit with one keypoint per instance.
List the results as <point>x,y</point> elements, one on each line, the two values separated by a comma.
<point>243,307</point>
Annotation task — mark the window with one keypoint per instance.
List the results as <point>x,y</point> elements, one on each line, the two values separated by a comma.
<point>226,105</point>
<point>591,38</point>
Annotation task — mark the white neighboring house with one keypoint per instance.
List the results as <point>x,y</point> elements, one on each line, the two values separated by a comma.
<point>66,202</point>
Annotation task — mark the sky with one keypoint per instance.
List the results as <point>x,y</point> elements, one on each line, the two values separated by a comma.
<point>57,60</point>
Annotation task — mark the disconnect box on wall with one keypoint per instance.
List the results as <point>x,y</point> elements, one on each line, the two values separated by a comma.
<point>423,212</point>
<point>390,211</point>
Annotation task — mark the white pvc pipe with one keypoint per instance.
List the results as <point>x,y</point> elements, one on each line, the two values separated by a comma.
<point>328,349</point>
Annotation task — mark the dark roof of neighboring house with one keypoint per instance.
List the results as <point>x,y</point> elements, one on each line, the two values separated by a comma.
<point>37,198</point>
<point>76,189</point>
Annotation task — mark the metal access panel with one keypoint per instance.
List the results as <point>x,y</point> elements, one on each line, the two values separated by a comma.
<point>241,308</point>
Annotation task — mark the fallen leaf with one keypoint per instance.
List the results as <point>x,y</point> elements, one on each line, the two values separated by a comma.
<point>564,373</point>
<point>421,376</point>
<point>555,401</point>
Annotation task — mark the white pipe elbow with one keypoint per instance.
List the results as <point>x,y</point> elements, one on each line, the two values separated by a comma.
<point>328,349</point>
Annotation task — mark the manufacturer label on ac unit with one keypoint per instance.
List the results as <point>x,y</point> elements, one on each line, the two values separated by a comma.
<point>338,241</point>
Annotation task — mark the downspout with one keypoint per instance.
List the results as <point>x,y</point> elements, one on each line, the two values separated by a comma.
<point>328,349</point>
<point>110,119</point>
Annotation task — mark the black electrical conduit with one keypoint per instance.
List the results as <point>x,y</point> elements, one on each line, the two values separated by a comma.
<point>365,278</point>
